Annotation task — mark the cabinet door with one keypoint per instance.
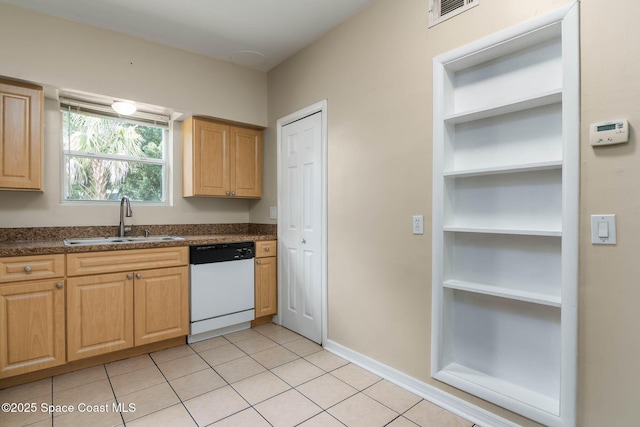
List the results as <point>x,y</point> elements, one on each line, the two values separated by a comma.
<point>266,286</point>
<point>246,162</point>
<point>99,314</point>
<point>31,327</point>
<point>211,159</point>
<point>161,304</point>
<point>20,137</point>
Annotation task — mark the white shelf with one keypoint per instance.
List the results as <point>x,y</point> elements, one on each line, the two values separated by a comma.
<point>526,137</point>
<point>527,167</point>
<point>547,98</point>
<point>505,215</point>
<point>503,292</point>
<point>521,231</point>
<point>495,389</point>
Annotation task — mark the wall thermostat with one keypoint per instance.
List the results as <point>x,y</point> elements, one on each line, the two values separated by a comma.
<point>607,133</point>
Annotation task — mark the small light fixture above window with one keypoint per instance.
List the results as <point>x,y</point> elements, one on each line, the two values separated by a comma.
<point>124,108</point>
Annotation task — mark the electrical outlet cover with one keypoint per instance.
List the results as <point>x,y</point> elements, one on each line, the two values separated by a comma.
<point>418,224</point>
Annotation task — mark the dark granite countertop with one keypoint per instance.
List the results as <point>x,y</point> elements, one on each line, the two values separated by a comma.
<point>44,241</point>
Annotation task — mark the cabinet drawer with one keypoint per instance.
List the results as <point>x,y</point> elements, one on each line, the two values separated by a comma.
<point>266,248</point>
<point>81,264</point>
<point>13,269</point>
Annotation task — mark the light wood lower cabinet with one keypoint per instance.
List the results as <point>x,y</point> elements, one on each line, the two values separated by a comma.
<point>160,302</point>
<point>266,283</point>
<point>114,311</point>
<point>32,313</point>
<point>100,314</point>
<point>115,300</point>
<point>32,326</point>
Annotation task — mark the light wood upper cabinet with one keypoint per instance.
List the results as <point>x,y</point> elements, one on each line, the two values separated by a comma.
<point>246,162</point>
<point>32,326</point>
<point>21,138</point>
<point>221,160</point>
<point>266,283</point>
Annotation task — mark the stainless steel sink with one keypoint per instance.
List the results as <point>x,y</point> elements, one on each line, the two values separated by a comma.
<point>90,241</point>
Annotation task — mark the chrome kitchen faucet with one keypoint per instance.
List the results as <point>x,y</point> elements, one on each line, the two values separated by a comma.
<point>124,202</point>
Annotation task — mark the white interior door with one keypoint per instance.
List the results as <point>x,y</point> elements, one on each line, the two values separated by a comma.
<point>300,243</point>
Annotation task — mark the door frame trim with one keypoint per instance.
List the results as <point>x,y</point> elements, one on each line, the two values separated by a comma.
<point>320,107</point>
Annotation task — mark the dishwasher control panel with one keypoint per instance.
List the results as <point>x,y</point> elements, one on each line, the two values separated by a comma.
<point>221,252</point>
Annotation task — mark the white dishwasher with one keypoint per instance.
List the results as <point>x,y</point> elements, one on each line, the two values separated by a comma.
<point>221,289</point>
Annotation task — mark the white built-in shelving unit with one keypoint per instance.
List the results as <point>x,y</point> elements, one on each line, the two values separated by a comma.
<point>505,217</point>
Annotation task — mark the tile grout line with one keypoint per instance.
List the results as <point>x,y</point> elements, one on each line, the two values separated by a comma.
<point>267,370</point>
<point>258,362</point>
<point>172,389</point>
<point>325,372</point>
<point>227,382</point>
<point>104,365</point>
<point>291,387</point>
<point>51,400</point>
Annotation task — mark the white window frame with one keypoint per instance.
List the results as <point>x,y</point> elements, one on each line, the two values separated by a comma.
<point>140,118</point>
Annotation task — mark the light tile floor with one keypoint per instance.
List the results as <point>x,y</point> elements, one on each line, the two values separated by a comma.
<point>266,376</point>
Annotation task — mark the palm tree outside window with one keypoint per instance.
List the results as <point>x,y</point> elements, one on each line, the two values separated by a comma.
<point>108,157</point>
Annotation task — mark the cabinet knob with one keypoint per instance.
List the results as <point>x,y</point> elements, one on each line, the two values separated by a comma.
<point>129,276</point>
<point>59,285</point>
<point>267,249</point>
<point>228,193</point>
<point>138,276</point>
<point>27,269</point>
<point>258,261</point>
<point>303,241</point>
<point>233,193</point>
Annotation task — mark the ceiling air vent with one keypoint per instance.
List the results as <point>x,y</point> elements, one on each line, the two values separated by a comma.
<point>440,10</point>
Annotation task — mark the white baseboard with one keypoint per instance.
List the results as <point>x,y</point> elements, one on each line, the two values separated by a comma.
<point>428,392</point>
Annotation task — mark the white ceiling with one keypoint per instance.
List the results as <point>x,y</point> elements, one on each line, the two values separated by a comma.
<point>255,33</point>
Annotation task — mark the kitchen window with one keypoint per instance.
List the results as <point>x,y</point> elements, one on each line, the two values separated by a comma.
<point>106,156</point>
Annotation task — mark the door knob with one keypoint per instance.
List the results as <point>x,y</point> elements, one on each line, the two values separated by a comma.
<point>303,241</point>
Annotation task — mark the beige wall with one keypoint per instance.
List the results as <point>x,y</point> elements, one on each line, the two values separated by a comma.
<point>375,71</point>
<point>609,342</point>
<point>65,55</point>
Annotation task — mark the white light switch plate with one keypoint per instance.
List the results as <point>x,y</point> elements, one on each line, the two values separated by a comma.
<point>603,229</point>
<point>418,224</point>
<point>273,212</point>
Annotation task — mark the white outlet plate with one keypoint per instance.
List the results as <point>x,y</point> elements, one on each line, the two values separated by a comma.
<point>418,224</point>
